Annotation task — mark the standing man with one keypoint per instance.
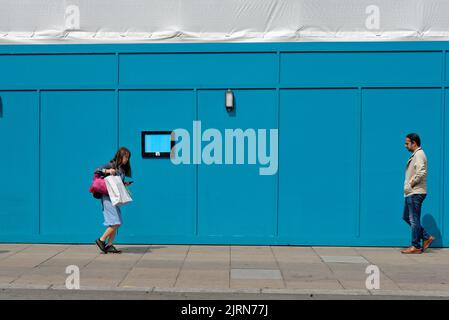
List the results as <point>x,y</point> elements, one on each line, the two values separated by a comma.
<point>415,191</point>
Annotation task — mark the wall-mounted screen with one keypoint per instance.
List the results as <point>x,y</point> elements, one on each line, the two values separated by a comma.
<point>157,144</point>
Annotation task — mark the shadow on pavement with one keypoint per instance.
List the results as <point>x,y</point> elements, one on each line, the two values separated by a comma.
<point>431,227</point>
<point>139,250</point>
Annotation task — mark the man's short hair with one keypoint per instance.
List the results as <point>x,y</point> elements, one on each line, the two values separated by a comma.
<point>414,137</point>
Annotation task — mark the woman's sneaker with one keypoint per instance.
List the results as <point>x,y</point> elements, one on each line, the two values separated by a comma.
<point>101,245</point>
<point>112,249</point>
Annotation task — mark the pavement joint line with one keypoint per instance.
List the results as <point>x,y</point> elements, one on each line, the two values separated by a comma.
<point>37,266</point>
<point>330,269</point>
<point>135,264</point>
<point>92,260</point>
<point>182,266</point>
<point>23,249</point>
<point>279,267</point>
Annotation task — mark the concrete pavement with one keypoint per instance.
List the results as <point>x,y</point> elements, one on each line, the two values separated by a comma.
<point>272,270</point>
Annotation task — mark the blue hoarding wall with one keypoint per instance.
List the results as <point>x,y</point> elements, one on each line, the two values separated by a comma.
<point>342,111</point>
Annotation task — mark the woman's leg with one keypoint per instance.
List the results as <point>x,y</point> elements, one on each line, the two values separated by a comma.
<point>112,235</point>
<point>107,233</point>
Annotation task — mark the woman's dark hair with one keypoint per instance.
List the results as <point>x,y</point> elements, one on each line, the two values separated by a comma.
<point>414,138</point>
<point>117,160</point>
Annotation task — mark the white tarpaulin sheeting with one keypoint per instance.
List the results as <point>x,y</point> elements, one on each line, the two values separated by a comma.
<point>88,21</point>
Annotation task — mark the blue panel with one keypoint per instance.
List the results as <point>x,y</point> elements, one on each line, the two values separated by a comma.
<point>45,71</point>
<point>19,160</point>
<point>360,67</point>
<point>164,194</point>
<point>198,69</point>
<point>388,115</point>
<point>78,134</point>
<point>318,183</point>
<point>234,199</point>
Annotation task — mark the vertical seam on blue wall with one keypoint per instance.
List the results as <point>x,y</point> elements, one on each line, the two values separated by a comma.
<point>196,171</point>
<point>279,68</point>
<point>117,104</point>
<point>39,163</point>
<point>118,69</point>
<point>279,142</point>
<point>117,99</point>
<point>359,170</point>
<point>443,144</point>
<point>442,166</point>
<point>279,139</point>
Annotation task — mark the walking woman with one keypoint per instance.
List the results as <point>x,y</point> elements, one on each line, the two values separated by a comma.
<point>119,165</point>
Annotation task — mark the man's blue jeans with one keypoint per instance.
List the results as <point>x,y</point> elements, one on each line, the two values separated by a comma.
<point>412,215</point>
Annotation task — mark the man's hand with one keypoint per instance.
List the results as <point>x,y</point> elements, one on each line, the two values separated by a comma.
<point>408,188</point>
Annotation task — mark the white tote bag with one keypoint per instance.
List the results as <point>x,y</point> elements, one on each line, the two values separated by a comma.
<point>117,191</point>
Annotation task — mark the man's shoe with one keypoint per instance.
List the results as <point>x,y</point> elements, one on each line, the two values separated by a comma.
<point>412,250</point>
<point>101,245</point>
<point>426,243</point>
<point>112,249</point>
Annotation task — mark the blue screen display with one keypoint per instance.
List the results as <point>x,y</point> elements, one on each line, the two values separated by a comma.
<point>157,143</point>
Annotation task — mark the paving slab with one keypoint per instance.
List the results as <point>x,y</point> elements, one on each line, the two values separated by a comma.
<point>8,278</point>
<point>147,283</point>
<point>10,250</point>
<point>315,284</point>
<point>64,262</point>
<point>160,263</point>
<point>208,257</point>
<point>203,278</point>
<point>268,274</point>
<point>105,265</point>
<point>304,267</point>
<point>423,286</point>
<point>206,265</point>
<point>344,259</point>
<point>251,264</point>
<point>308,273</point>
<point>251,284</point>
<point>211,284</point>
<point>44,249</point>
<point>14,246</point>
<point>148,273</point>
<point>203,275</point>
<point>209,249</point>
<point>99,282</point>
<point>169,249</point>
<point>297,258</point>
<point>335,251</point>
<point>24,261</point>
<point>164,256</point>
